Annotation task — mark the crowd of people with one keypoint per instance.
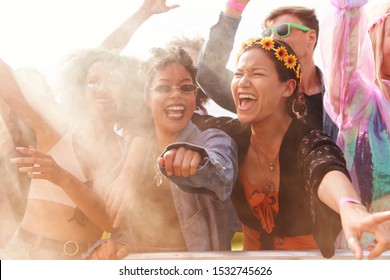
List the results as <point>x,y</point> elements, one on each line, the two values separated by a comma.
<point>127,159</point>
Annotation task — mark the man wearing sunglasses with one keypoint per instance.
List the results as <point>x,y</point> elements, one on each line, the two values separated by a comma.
<point>283,30</point>
<point>297,26</point>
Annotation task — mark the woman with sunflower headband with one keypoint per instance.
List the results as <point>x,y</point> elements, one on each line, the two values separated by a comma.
<point>293,191</point>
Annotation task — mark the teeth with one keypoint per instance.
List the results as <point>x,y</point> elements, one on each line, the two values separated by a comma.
<point>174,115</point>
<point>246,96</point>
<point>175,108</point>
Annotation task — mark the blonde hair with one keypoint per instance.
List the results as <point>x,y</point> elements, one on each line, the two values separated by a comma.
<point>376,32</point>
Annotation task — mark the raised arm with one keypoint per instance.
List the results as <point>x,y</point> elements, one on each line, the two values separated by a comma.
<point>213,76</point>
<point>12,95</point>
<point>44,118</point>
<point>121,36</point>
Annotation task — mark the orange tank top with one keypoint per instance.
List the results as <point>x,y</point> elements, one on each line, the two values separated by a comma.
<point>265,207</point>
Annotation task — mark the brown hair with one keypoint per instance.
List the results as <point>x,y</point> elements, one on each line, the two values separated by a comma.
<point>161,57</point>
<point>75,69</point>
<point>196,44</point>
<point>306,15</point>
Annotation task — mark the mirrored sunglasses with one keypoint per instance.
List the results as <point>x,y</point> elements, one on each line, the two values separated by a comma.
<point>184,88</point>
<point>283,30</point>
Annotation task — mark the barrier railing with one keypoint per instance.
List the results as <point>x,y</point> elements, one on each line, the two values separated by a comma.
<point>251,255</point>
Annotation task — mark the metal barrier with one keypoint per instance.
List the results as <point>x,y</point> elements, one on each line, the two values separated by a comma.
<point>250,255</point>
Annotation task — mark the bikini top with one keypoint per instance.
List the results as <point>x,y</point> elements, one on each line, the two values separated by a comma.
<point>63,153</point>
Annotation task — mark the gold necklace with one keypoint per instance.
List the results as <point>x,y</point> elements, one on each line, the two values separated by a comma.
<point>270,184</point>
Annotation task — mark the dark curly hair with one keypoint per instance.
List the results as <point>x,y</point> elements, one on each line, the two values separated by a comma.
<point>75,68</point>
<point>161,57</point>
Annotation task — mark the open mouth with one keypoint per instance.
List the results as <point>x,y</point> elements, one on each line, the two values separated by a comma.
<point>175,112</point>
<point>246,101</point>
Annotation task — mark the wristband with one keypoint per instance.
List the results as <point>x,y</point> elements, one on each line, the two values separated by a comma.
<point>348,199</point>
<point>237,6</point>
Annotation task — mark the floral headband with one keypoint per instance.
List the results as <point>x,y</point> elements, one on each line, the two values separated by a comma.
<point>289,60</point>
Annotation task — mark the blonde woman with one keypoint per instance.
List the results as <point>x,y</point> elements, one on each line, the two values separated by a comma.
<point>356,75</point>
<point>379,30</point>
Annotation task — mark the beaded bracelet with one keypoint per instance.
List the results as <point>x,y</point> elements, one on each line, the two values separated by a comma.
<point>348,199</point>
<point>237,6</point>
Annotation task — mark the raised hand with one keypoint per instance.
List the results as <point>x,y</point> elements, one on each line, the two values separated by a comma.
<point>41,166</point>
<point>157,6</point>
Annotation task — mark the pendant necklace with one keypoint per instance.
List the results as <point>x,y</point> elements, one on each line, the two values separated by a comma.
<point>271,165</point>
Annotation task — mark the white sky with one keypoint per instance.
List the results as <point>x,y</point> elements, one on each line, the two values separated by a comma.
<point>38,33</point>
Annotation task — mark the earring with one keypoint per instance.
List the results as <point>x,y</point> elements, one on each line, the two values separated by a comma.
<point>299,107</point>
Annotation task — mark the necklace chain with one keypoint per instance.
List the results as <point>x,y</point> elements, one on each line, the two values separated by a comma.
<point>271,163</point>
<point>270,185</point>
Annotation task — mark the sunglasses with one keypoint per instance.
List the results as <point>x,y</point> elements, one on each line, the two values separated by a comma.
<point>283,30</point>
<point>184,88</point>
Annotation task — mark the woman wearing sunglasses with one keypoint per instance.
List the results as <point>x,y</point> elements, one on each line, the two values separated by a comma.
<point>182,200</point>
<point>298,26</point>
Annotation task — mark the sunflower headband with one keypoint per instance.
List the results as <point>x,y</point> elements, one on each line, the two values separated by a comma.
<point>289,60</point>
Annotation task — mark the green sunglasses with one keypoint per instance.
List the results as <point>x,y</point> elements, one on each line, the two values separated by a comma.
<point>283,30</point>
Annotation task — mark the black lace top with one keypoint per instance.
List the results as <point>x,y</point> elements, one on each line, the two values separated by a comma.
<point>306,155</point>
